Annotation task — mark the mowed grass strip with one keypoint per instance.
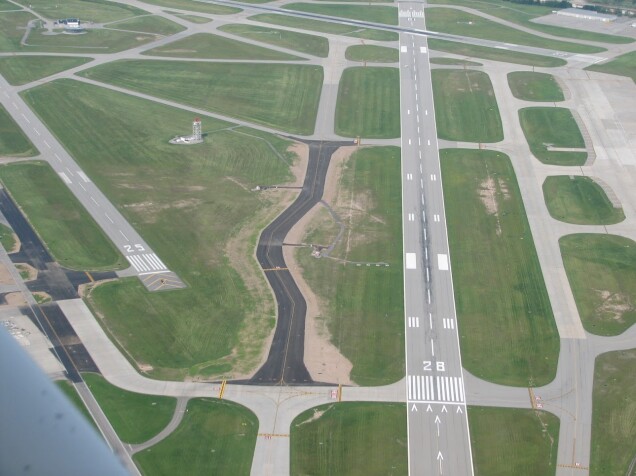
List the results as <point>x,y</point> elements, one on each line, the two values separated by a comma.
<point>454,62</point>
<point>288,101</point>
<point>531,86</point>
<point>579,200</point>
<point>502,303</point>
<point>613,413</point>
<point>97,11</point>
<point>13,142</point>
<point>375,13</point>
<point>364,306</point>
<point>135,417</point>
<point>10,34</point>
<point>325,27</point>
<point>148,24</point>
<point>194,18</point>
<point>196,6</point>
<point>546,128</point>
<point>369,103</point>
<point>465,106</point>
<point>350,438</point>
<point>623,65</point>
<point>7,238</point>
<point>494,54</point>
<point>601,270</point>
<point>515,441</point>
<point>210,46</point>
<point>69,232</point>
<point>19,70</point>
<point>372,54</point>
<point>458,22</point>
<point>187,203</point>
<point>215,437</point>
<point>302,42</point>
<point>69,391</point>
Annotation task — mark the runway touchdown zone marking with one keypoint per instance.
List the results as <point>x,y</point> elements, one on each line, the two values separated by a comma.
<point>414,322</point>
<point>448,323</point>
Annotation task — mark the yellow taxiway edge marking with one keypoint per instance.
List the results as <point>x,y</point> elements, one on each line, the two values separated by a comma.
<point>90,277</point>
<point>275,269</point>
<point>340,392</point>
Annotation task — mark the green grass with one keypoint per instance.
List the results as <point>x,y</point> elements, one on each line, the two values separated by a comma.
<point>531,86</point>
<point>7,238</point>
<point>457,22</point>
<point>613,413</point>
<point>350,438</point>
<point>289,102</point>
<point>494,54</point>
<point>209,46</point>
<point>195,19</point>
<point>12,29</point>
<point>5,6</point>
<point>372,53</point>
<point>98,11</point>
<point>187,203</point>
<point>513,441</point>
<point>196,6</point>
<point>623,65</point>
<point>67,389</point>
<point>375,14</point>
<point>465,106</point>
<point>64,225</point>
<point>135,417</point>
<point>369,103</point>
<point>601,270</point>
<point>502,304</point>
<point>148,24</point>
<point>326,27</point>
<point>453,61</point>
<point>579,200</point>
<point>364,305</point>
<point>310,44</point>
<point>19,70</point>
<point>552,126</point>
<point>215,437</point>
<point>522,14</point>
<point>13,142</point>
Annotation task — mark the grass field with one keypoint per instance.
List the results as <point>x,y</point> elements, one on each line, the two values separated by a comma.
<point>601,270</point>
<point>289,102</point>
<point>326,27</point>
<point>98,11</point>
<point>556,127</point>
<point>515,441</point>
<point>18,70</point>
<point>7,237</point>
<point>13,142</point>
<point>215,437</point>
<point>465,106</point>
<point>457,22</point>
<point>67,389</point>
<point>135,417</point>
<point>153,24</point>
<point>12,29</point>
<point>522,14</point>
<point>623,65</point>
<point>453,62</point>
<point>502,304</point>
<point>374,13</point>
<point>188,203</point>
<point>613,413</point>
<point>209,46</point>
<point>531,86</point>
<point>369,103</point>
<point>494,54</point>
<point>579,200</point>
<point>69,232</point>
<point>363,305</point>
<point>372,53</point>
<point>350,438</point>
<point>195,19</point>
<point>302,42</point>
<point>195,6</point>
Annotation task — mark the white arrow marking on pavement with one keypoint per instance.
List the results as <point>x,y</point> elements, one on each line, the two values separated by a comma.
<point>440,458</point>
<point>459,410</point>
<point>444,409</point>
<point>437,422</point>
<point>414,408</point>
<point>429,409</point>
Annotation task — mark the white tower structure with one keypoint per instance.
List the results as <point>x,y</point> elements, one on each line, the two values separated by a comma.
<point>196,130</point>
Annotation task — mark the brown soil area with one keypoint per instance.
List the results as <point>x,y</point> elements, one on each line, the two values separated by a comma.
<point>15,299</point>
<point>5,276</point>
<point>614,305</point>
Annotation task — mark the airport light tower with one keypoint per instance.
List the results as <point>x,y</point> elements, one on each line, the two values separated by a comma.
<point>196,130</point>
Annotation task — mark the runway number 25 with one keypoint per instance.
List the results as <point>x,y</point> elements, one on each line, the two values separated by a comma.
<point>130,249</point>
<point>440,367</point>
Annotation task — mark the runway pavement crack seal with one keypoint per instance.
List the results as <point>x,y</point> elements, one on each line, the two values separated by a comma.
<point>285,361</point>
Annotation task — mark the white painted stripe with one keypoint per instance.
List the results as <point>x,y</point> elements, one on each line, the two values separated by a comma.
<point>422,49</point>
<point>408,387</point>
<point>446,389</point>
<point>95,201</point>
<point>122,234</point>
<point>156,258</point>
<point>25,118</point>
<point>109,218</point>
<point>153,263</point>
<point>140,263</point>
<point>136,264</point>
<point>83,188</point>
<point>419,387</point>
<point>456,384</point>
<point>403,49</point>
<point>57,157</point>
<point>452,390</point>
<point>65,178</point>
<point>83,176</point>
<point>439,388</point>
<point>36,131</point>
<point>442,261</point>
<point>47,144</point>
<point>452,323</point>
<point>411,261</point>
<point>461,390</point>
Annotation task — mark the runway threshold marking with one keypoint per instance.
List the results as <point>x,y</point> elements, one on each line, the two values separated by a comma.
<point>222,391</point>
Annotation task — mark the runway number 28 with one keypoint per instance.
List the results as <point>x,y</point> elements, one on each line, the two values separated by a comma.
<point>130,249</point>
<point>439,366</point>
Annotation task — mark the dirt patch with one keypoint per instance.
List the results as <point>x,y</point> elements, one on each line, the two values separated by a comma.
<point>28,272</point>
<point>149,211</point>
<point>488,196</point>
<point>317,414</point>
<point>614,305</point>
<point>15,299</point>
<point>5,276</point>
